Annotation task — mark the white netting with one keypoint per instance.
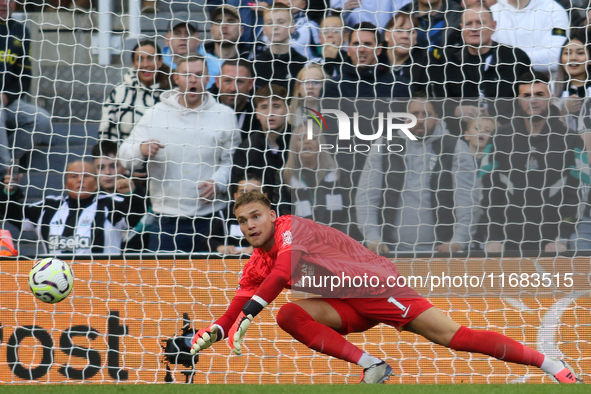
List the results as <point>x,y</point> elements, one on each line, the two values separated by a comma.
<point>77,74</point>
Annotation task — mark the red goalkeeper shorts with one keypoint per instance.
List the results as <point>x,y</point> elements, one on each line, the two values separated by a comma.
<point>361,314</point>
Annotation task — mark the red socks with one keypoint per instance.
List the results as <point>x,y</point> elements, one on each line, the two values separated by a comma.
<point>299,324</point>
<point>496,345</point>
<point>294,320</point>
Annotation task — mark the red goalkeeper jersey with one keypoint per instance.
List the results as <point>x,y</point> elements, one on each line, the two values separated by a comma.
<point>326,252</point>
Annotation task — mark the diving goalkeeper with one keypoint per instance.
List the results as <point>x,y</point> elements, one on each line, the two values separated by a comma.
<point>287,246</point>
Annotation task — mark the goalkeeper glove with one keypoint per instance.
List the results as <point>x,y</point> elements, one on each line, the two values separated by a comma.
<point>238,331</point>
<point>206,337</point>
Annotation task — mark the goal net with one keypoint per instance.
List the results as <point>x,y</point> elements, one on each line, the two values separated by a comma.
<point>450,138</point>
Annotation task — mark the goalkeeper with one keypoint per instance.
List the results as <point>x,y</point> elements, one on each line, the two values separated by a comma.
<point>288,246</point>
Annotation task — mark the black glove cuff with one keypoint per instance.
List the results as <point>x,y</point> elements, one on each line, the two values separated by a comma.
<point>252,308</point>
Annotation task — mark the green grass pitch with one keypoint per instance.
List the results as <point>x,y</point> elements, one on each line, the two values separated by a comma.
<point>286,389</point>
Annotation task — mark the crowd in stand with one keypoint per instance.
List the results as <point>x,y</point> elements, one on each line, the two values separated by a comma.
<point>497,160</point>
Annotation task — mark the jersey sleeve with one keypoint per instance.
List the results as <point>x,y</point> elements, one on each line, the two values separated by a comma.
<point>231,314</point>
<point>249,280</point>
<point>279,277</point>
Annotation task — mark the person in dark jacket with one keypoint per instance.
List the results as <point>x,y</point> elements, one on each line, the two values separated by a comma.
<point>264,153</point>
<point>439,23</point>
<point>22,125</point>
<point>480,77</point>
<point>113,178</point>
<point>407,60</point>
<point>235,88</point>
<point>531,194</point>
<point>363,75</point>
<point>280,62</point>
<point>332,40</point>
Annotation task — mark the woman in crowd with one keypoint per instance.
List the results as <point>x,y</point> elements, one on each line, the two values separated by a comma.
<point>308,89</point>
<point>311,182</point>
<point>573,84</point>
<point>407,60</point>
<point>140,90</point>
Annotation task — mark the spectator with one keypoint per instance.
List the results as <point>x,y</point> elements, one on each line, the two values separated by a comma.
<point>573,85</point>
<point>332,39</point>
<point>477,135</point>
<point>247,13</point>
<point>531,195</point>
<point>305,38</point>
<point>109,169</point>
<point>308,92</point>
<point>113,178</point>
<point>280,61</point>
<point>483,70</point>
<point>82,222</point>
<point>264,153</point>
<point>310,182</point>
<point>22,125</point>
<point>438,23</point>
<point>225,31</point>
<point>378,13</point>
<point>362,76</point>
<point>581,23</point>
<point>188,140</point>
<point>181,40</point>
<point>538,27</point>
<point>235,89</point>
<point>418,199</point>
<point>407,60</point>
<point>227,237</point>
<point>140,90</point>
<point>304,35</point>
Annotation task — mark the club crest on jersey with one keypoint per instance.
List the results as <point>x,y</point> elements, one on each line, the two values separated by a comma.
<point>85,221</point>
<point>57,242</point>
<point>287,238</point>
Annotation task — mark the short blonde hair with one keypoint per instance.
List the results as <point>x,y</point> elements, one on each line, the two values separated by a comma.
<point>472,121</point>
<point>251,197</point>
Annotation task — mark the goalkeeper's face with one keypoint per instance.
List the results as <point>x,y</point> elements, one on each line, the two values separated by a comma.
<point>257,223</point>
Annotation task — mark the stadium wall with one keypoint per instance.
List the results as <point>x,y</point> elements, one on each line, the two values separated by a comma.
<point>112,326</point>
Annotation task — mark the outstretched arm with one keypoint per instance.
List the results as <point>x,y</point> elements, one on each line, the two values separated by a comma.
<point>243,309</point>
<point>266,293</point>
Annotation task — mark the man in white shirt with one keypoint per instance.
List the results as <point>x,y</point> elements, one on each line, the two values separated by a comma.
<point>538,27</point>
<point>188,140</point>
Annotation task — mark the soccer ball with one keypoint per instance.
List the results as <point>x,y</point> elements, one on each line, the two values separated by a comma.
<point>51,280</point>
